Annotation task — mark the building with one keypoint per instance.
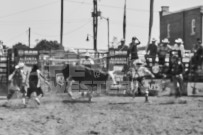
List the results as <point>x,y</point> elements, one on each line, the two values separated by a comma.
<point>186,24</point>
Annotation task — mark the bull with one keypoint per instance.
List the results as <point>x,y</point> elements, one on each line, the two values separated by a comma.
<point>87,77</point>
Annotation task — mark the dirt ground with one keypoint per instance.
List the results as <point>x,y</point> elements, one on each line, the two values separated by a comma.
<point>105,115</point>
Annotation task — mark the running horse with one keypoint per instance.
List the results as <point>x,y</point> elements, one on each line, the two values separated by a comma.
<point>87,77</point>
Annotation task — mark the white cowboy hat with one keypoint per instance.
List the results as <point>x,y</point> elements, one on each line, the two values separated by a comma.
<point>87,54</point>
<point>20,65</point>
<point>179,40</point>
<point>165,40</point>
<point>138,62</point>
<point>153,39</point>
<point>122,39</point>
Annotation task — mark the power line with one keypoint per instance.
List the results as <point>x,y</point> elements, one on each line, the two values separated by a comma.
<point>26,10</point>
<point>18,35</point>
<point>110,6</point>
<point>66,33</point>
<point>76,29</point>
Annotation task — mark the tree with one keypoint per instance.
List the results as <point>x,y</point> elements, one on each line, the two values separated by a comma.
<point>48,45</point>
<point>20,46</point>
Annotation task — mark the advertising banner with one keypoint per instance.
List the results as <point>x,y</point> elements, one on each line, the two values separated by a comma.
<point>28,56</point>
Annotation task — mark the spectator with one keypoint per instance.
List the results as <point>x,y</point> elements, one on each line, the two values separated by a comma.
<point>179,47</point>
<point>198,54</point>
<point>122,46</point>
<point>1,49</point>
<point>132,51</point>
<point>163,49</point>
<point>151,52</point>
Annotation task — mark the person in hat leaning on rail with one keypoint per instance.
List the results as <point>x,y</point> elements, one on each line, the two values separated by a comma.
<point>122,46</point>
<point>138,73</point>
<point>163,49</point>
<point>179,46</point>
<point>151,51</point>
<point>132,51</point>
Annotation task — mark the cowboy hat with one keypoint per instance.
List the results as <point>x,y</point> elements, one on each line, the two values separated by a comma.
<point>138,62</point>
<point>87,54</point>
<point>179,40</point>
<point>165,40</point>
<point>153,39</point>
<point>20,65</point>
<point>122,39</point>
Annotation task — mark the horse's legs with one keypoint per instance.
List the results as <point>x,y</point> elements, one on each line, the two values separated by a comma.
<point>90,90</point>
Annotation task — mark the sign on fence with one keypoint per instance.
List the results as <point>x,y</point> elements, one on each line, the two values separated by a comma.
<point>27,56</point>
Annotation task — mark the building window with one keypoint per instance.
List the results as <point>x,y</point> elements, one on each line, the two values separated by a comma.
<point>193,27</point>
<point>168,30</point>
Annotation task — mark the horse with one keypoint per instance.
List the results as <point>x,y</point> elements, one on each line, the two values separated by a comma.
<point>87,77</point>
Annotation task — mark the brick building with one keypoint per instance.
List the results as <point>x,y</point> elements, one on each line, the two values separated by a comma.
<point>186,24</point>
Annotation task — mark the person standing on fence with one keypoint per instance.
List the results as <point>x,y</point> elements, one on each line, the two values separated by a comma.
<point>122,46</point>
<point>179,46</point>
<point>132,51</point>
<point>176,70</point>
<point>151,52</point>
<point>163,50</point>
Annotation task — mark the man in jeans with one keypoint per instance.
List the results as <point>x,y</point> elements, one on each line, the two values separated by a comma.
<point>163,49</point>
<point>176,70</point>
<point>151,52</point>
<point>132,51</point>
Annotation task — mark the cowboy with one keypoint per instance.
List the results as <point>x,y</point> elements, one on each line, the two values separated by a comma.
<point>132,51</point>
<point>179,46</point>
<point>163,50</point>
<point>151,51</point>
<point>122,46</point>
<point>139,71</point>
<point>198,54</point>
<point>22,79</point>
<point>176,70</point>
<point>88,61</point>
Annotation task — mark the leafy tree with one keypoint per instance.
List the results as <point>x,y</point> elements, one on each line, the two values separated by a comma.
<point>20,46</point>
<point>48,45</point>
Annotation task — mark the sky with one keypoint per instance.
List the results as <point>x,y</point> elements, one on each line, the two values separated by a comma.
<point>43,18</point>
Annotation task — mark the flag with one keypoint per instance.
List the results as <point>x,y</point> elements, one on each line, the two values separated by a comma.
<point>150,19</point>
<point>124,21</point>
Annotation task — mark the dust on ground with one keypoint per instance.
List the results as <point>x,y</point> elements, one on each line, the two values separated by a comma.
<point>105,115</point>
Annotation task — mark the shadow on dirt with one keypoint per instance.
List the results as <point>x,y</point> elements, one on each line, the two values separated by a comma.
<point>76,101</point>
<point>121,103</point>
<point>174,102</point>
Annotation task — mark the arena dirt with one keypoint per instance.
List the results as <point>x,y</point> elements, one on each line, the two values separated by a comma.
<point>59,115</point>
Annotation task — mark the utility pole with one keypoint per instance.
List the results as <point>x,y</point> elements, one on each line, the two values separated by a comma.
<point>61,35</point>
<point>95,14</point>
<point>29,37</point>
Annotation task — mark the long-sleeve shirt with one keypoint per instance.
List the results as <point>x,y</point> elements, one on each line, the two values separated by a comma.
<point>181,48</point>
<point>163,50</point>
<point>152,49</point>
